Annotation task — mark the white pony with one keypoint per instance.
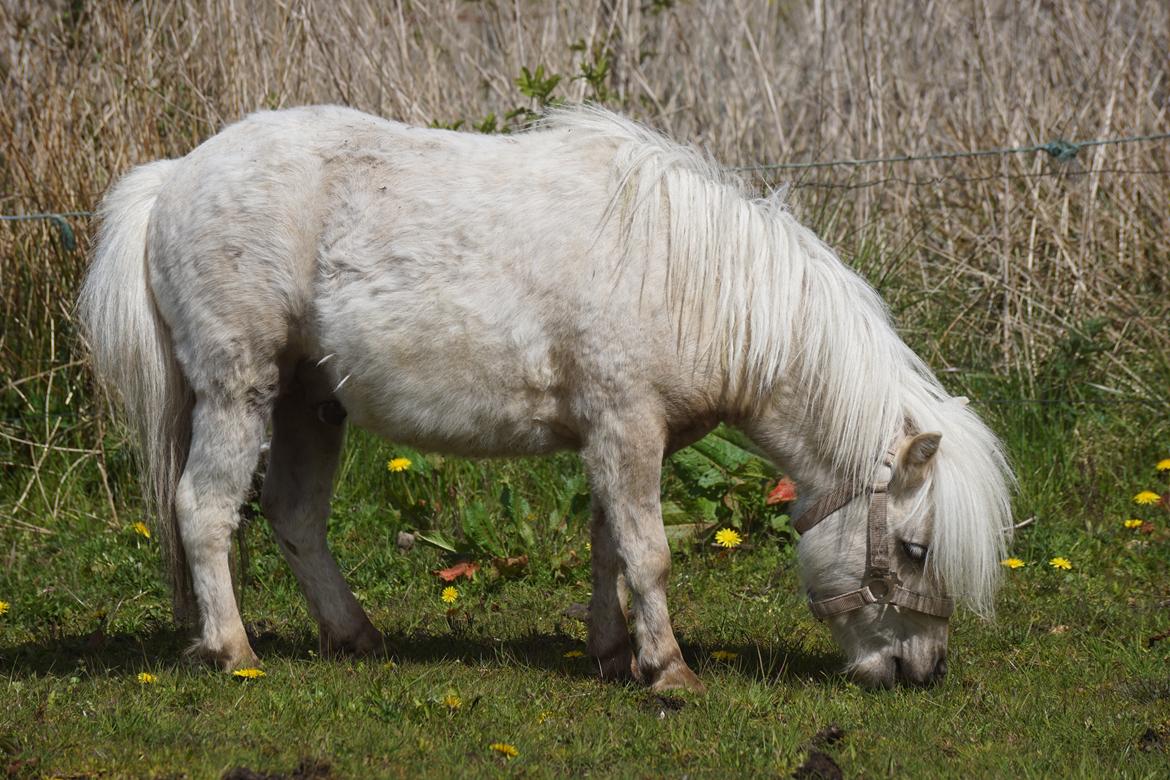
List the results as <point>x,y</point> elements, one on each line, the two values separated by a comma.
<point>588,285</point>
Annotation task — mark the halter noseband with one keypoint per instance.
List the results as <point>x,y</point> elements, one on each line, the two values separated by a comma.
<point>881,584</point>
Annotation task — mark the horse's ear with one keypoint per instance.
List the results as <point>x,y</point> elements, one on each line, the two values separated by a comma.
<point>914,458</point>
<point>921,449</point>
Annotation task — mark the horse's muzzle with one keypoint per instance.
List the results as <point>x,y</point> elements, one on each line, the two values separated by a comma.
<point>904,674</point>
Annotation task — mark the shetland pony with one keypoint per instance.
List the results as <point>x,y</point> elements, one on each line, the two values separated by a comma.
<point>587,285</point>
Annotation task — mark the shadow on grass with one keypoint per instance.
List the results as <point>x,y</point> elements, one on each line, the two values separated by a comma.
<point>768,663</point>
<point>114,655</point>
<point>126,654</point>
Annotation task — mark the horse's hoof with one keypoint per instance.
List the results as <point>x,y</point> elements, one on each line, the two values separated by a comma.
<point>618,665</point>
<point>228,658</point>
<point>677,677</point>
<point>367,641</point>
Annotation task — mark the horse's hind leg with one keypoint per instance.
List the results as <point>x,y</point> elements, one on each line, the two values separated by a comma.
<point>306,444</point>
<point>225,443</point>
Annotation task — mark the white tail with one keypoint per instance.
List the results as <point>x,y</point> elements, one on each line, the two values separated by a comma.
<point>133,359</point>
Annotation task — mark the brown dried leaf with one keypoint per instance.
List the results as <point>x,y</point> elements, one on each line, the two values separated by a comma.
<point>512,566</point>
<point>462,569</point>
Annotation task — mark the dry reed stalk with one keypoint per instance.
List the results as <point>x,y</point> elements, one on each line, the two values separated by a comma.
<point>987,262</point>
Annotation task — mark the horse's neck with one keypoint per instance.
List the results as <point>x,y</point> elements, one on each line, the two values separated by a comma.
<point>791,443</point>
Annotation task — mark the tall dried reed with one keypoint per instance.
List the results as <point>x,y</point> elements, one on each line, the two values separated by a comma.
<point>990,263</point>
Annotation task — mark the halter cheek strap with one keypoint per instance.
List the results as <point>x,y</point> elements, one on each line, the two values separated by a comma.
<point>881,584</point>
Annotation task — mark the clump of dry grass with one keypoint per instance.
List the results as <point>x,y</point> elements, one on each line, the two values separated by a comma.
<point>989,262</point>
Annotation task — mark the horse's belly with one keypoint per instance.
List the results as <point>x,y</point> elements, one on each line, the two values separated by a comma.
<point>454,418</point>
<point>426,377</point>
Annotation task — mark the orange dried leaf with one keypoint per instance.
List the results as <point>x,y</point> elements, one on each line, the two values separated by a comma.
<point>462,569</point>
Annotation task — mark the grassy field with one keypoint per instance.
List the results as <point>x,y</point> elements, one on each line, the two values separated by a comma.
<point>1039,288</point>
<point>1070,680</point>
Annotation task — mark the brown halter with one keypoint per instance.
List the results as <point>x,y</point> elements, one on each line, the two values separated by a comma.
<point>880,585</point>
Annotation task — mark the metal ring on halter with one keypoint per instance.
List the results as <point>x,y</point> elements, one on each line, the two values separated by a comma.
<point>887,579</point>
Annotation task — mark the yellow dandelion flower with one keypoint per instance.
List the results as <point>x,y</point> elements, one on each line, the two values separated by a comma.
<point>146,678</point>
<point>1163,465</point>
<point>398,464</point>
<point>1133,523</point>
<point>727,537</point>
<point>504,749</point>
<point>574,654</point>
<point>1060,563</point>
<point>1012,563</point>
<point>3,607</point>
<point>724,655</point>
<point>248,674</point>
<point>449,595</point>
<point>1147,497</point>
<point>141,529</point>
<point>452,701</point>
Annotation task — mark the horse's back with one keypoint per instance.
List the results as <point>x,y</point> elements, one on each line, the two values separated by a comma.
<point>458,288</point>
<point>253,211</point>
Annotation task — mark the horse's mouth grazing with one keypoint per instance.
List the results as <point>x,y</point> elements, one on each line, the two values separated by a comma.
<point>880,671</point>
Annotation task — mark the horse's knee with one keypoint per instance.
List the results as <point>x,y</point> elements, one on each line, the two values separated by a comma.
<point>205,520</point>
<point>646,569</point>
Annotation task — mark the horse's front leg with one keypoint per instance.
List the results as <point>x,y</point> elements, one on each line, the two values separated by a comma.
<point>624,461</point>
<point>609,635</point>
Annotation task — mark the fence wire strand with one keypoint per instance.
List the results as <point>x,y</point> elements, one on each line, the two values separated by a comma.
<point>1062,151</point>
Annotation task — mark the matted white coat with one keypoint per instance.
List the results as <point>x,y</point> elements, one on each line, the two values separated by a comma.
<point>587,285</point>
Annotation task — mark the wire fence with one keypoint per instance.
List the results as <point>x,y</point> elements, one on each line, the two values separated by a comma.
<point>59,218</point>
<point>931,181</point>
<point>1059,150</point>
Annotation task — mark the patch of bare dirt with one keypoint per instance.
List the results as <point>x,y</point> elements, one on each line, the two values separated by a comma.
<point>818,766</point>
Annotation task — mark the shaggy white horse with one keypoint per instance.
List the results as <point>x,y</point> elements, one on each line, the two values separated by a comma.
<point>588,285</point>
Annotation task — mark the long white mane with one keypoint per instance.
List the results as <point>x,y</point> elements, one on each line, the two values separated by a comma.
<point>770,303</point>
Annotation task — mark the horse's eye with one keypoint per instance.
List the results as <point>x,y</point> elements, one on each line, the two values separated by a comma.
<point>917,552</point>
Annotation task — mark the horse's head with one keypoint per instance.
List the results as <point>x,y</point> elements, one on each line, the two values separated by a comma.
<point>866,566</point>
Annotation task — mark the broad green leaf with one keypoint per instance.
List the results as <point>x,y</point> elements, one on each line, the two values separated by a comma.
<point>779,522</point>
<point>676,534</point>
<point>437,539</point>
<point>506,502</point>
<point>524,531</point>
<point>707,509</point>
<point>734,451</point>
<point>697,469</point>
<point>673,514</point>
<point>480,530</point>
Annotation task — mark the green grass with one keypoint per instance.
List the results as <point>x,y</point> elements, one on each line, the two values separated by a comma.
<point>1063,683</point>
<point>1043,284</point>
